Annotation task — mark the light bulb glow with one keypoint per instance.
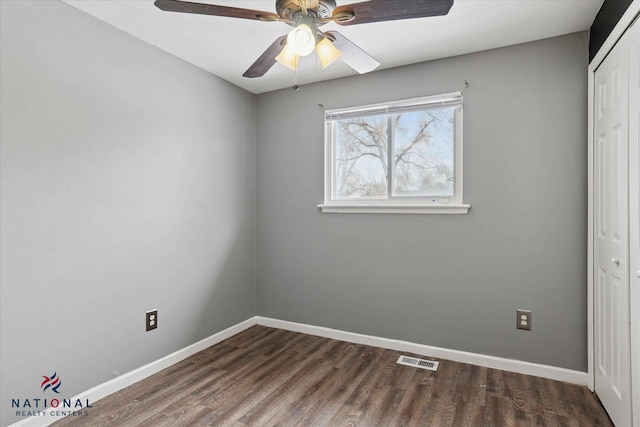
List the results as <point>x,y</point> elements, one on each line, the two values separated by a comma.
<point>301,40</point>
<point>327,52</point>
<point>288,58</point>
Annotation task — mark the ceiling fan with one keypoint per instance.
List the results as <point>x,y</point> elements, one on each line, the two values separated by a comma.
<point>307,16</point>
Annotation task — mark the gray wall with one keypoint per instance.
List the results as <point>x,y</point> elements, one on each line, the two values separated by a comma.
<point>127,183</point>
<point>441,280</point>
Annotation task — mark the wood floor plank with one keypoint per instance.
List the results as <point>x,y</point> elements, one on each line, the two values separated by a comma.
<point>439,412</point>
<point>321,409</point>
<point>411,407</point>
<point>468,414</point>
<point>270,377</point>
<point>358,402</point>
<point>236,400</point>
<point>276,404</point>
<point>157,400</point>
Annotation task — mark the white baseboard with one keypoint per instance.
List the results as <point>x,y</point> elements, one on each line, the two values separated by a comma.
<point>111,386</point>
<point>512,365</point>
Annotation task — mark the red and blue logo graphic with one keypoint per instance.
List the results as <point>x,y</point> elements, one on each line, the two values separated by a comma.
<point>53,382</point>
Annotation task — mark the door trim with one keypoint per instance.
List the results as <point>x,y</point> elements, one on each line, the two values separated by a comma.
<point>625,22</point>
<point>634,213</point>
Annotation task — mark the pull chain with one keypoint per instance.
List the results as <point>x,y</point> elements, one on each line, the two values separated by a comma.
<point>295,80</point>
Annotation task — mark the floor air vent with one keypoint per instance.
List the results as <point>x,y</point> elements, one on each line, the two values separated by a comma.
<point>418,363</point>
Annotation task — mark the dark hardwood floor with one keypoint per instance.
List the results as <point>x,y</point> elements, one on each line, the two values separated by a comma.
<point>267,377</point>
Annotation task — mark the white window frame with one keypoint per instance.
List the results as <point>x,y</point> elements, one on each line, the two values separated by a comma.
<point>408,204</point>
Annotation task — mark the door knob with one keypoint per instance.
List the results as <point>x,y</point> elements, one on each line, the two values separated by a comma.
<point>615,261</point>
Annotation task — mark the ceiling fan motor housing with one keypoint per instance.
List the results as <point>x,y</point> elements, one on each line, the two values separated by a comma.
<point>288,9</point>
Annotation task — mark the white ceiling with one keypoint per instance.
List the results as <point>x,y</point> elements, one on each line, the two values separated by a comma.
<point>226,47</point>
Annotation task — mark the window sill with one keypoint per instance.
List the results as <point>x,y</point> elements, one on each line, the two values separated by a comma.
<point>395,209</point>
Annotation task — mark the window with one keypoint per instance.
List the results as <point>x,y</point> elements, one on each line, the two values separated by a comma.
<point>404,156</point>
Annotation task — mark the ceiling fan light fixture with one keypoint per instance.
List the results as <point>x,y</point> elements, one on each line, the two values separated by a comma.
<point>301,40</point>
<point>327,52</point>
<point>288,58</point>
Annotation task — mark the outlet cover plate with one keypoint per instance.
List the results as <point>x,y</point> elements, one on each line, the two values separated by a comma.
<point>523,319</point>
<point>151,319</point>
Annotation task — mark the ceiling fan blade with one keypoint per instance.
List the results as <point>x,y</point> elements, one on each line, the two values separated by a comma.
<point>266,60</point>
<point>352,55</point>
<point>210,9</point>
<point>385,10</point>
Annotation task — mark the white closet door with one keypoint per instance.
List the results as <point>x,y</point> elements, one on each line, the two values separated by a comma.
<point>634,212</point>
<point>611,245</point>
